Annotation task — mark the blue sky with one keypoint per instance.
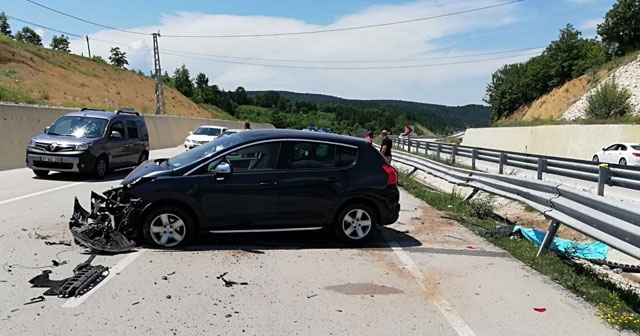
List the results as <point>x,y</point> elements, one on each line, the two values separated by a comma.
<point>427,60</point>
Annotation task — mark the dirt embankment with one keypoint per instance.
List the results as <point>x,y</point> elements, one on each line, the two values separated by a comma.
<point>54,78</point>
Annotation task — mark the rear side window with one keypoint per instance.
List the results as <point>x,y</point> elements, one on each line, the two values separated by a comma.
<point>132,128</point>
<point>320,155</point>
<point>142,128</point>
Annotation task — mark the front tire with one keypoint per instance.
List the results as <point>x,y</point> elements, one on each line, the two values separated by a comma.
<point>101,167</point>
<point>167,227</point>
<point>595,158</point>
<point>356,224</point>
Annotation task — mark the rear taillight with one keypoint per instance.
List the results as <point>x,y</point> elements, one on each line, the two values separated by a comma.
<point>393,175</point>
<point>636,154</point>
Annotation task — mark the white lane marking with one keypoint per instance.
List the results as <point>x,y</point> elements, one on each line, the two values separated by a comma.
<point>40,193</point>
<point>76,301</point>
<point>445,308</point>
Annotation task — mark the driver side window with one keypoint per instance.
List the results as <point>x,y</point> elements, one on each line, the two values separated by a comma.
<point>255,158</point>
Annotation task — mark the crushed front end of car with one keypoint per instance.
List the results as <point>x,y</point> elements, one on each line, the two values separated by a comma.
<point>111,225</point>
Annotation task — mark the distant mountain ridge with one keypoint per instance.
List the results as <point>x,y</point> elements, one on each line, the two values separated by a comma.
<point>439,118</point>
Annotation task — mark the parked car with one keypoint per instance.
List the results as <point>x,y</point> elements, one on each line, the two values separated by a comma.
<point>90,141</point>
<point>230,132</point>
<point>621,153</point>
<point>255,181</point>
<point>202,135</point>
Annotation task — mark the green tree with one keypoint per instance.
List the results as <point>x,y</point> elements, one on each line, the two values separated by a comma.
<point>5,28</point>
<point>60,43</point>
<point>620,30</point>
<point>609,100</point>
<point>240,96</point>
<point>118,57</point>
<point>183,82</point>
<point>563,55</point>
<point>28,35</point>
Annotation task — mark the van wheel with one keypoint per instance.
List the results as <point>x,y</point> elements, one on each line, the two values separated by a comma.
<point>355,224</point>
<point>100,169</point>
<point>41,173</point>
<point>167,226</point>
<point>143,157</point>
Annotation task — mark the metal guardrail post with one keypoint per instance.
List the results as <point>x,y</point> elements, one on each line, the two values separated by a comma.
<point>408,144</point>
<point>548,238</point>
<point>503,161</point>
<point>604,176</point>
<point>542,167</point>
<point>454,151</point>
<point>439,150</point>
<point>474,157</point>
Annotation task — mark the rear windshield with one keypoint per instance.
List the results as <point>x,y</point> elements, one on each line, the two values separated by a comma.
<point>636,147</point>
<point>78,127</point>
<point>207,131</point>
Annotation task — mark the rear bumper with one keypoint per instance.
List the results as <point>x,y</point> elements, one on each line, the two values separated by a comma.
<point>392,216</point>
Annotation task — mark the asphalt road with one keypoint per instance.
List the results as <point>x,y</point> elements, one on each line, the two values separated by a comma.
<point>424,275</point>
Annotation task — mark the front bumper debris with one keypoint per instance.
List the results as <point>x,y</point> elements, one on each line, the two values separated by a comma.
<point>110,226</point>
<point>85,277</point>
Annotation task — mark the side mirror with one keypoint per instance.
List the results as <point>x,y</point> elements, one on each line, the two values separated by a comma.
<point>115,135</point>
<point>46,129</point>
<point>603,149</point>
<point>222,169</point>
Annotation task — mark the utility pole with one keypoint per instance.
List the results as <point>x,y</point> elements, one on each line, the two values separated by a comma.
<point>160,107</point>
<point>88,46</point>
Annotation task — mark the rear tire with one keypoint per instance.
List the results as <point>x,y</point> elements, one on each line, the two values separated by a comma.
<point>41,173</point>
<point>101,167</point>
<point>143,157</point>
<point>595,158</point>
<point>168,227</point>
<point>356,224</point>
<point>623,162</point>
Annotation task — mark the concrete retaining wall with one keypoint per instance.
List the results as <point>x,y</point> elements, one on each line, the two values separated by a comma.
<point>19,123</point>
<point>570,141</point>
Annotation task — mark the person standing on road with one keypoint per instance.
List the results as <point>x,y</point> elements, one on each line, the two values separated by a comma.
<point>247,126</point>
<point>386,144</point>
<point>369,136</point>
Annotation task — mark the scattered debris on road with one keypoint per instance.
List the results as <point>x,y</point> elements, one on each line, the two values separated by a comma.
<point>540,310</point>
<point>59,242</point>
<point>85,277</point>
<point>35,300</point>
<point>228,283</point>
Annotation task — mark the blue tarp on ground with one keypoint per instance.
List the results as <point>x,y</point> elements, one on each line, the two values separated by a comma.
<point>596,250</point>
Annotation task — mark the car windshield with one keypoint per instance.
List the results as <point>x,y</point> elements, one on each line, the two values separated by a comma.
<point>78,127</point>
<point>205,150</point>
<point>207,131</point>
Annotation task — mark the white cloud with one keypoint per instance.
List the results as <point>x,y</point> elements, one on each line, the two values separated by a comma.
<point>591,24</point>
<point>438,84</point>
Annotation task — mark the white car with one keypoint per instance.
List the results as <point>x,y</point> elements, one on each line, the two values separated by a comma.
<point>202,135</point>
<point>619,153</point>
<point>230,131</point>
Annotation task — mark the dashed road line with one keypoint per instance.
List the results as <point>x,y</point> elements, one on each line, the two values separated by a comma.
<point>40,193</point>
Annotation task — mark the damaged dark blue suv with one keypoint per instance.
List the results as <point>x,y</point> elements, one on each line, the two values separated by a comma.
<point>253,181</point>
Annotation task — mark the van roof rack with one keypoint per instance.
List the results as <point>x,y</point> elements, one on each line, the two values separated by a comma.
<point>128,110</point>
<point>90,109</point>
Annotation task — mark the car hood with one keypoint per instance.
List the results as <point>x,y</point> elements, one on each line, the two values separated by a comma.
<point>62,140</point>
<point>201,137</point>
<point>150,169</point>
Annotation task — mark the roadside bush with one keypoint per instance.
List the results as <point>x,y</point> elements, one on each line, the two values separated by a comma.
<point>609,100</point>
<point>481,207</point>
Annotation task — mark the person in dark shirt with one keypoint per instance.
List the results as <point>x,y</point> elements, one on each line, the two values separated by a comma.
<point>386,144</point>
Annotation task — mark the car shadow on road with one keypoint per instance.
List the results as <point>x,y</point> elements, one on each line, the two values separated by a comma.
<point>257,242</point>
<point>75,177</point>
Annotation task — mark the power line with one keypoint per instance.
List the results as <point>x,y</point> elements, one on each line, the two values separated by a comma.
<point>355,68</point>
<point>87,21</point>
<point>289,33</point>
<point>353,61</point>
<point>349,28</point>
<point>41,26</point>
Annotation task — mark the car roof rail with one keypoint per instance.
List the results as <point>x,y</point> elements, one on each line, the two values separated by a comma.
<point>127,110</point>
<point>90,109</point>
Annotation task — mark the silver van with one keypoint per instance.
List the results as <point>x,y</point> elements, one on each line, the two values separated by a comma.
<point>90,141</point>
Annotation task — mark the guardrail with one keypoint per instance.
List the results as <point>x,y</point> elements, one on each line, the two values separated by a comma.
<point>603,174</point>
<point>612,222</point>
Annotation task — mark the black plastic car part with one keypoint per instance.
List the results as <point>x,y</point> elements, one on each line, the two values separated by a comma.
<point>85,277</point>
<point>109,227</point>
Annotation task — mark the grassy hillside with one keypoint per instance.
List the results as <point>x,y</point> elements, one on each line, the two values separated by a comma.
<point>36,75</point>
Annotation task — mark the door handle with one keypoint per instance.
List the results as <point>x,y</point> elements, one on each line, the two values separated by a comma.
<point>331,179</point>
<point>268,183</point>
